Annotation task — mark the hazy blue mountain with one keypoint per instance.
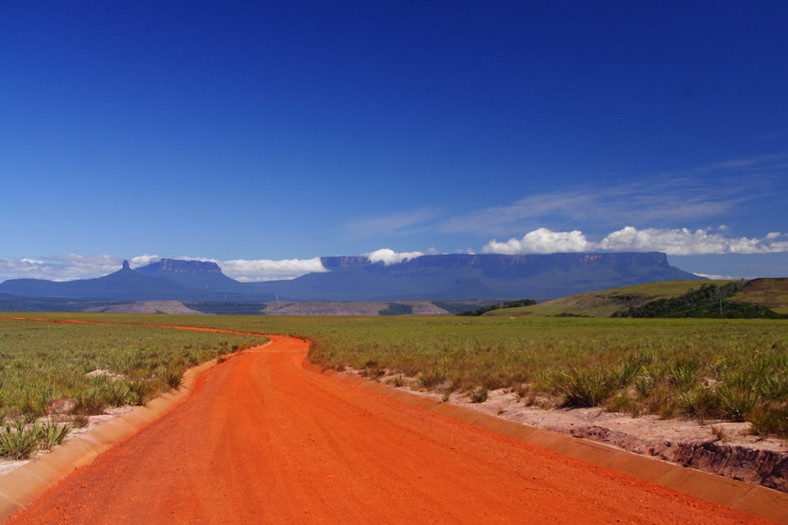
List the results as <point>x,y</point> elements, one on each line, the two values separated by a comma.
<point>465,276</point>
<point>125,284</point>
<point>430,277</point>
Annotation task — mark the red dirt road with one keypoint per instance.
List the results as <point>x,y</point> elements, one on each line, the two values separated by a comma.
<point>262,440</point>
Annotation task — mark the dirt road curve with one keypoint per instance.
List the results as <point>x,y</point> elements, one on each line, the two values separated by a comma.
<point>261,440</point>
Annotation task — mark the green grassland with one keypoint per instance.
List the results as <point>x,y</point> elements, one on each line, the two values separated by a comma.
<point>44,361</point>
<point>703,368</point>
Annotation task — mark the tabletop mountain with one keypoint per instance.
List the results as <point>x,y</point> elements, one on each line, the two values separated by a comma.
<point>429,277</point>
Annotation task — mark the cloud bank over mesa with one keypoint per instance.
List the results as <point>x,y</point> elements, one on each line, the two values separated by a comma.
<point>680,241</point>
<point>388,256</point>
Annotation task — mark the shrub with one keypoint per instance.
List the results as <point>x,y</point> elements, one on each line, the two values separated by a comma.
<point>432,377</point>
<point>586,388</point>
<point>89,405</point>
<point>736,404</point>
<point>19,440</point>
<point>681,374</point>
<point>52,434</point>
<point>699,402</point>
<point>626,372</point>
<point>644,385</point>
<point>769,420</point>
<point>172,377</point>
<point>479,396</point>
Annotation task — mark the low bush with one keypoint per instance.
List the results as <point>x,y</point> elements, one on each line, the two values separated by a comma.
<point>586,388</point>
<point>19,440</point>
<point>53,434</point>
<point>479,395</point>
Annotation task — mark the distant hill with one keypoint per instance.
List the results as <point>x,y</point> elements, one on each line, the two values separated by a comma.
<point>603,303</point>
<point>772,293</point>
<point>710,300</point>
<point>437,278</point>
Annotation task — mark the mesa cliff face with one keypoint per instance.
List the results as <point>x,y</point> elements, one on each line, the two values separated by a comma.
<point>490,260</point>
<point>180,266</point>
<point>205,276</point>
<point>476,276</point>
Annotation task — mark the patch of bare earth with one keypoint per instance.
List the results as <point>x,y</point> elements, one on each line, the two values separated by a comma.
<point>719,447</point>
<point>349,308</point>
<point>148,307</point>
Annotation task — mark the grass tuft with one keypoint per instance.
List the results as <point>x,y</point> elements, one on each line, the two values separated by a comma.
<point>736,404</point>
<point>53,434</point>
<point>586,388</point>
<point>20,439</point>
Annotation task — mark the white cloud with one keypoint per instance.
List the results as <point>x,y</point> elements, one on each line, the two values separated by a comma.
<point>143,260</point>
<point>59,267</point>
<point>249,270</point>
<point>270,270</point>
<point>70,267</point>
<point>714,277</point>
<point>387,256</point>
<point>630,239</point>
<point>541,240</point>
<point>686,242</point>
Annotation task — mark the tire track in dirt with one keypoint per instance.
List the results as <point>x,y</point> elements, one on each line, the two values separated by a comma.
<point>262,440</point>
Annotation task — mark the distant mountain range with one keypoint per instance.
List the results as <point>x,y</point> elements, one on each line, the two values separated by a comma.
<point>429,277</point>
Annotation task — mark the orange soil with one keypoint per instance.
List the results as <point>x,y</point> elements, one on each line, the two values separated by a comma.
<point>262,440</point>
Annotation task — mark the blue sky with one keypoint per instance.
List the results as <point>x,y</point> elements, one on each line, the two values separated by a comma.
<point>265,134</point>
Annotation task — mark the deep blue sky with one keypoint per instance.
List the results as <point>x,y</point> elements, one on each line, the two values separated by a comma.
<point>291,130</point>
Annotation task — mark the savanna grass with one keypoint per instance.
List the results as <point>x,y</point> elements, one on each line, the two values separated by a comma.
<point>43,361</point>
<point>704,368</point>
<point>19,439</point>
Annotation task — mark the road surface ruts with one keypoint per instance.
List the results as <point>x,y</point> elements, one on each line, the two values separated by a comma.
<point>261,440</point>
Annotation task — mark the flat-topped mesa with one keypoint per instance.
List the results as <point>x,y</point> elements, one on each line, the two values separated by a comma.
<point>372,278</point>
<point>178,265</point>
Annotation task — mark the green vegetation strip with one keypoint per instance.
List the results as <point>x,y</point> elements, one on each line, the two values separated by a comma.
<point>703,368</point>
<point>98,366</point>
<point>735,370</point>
